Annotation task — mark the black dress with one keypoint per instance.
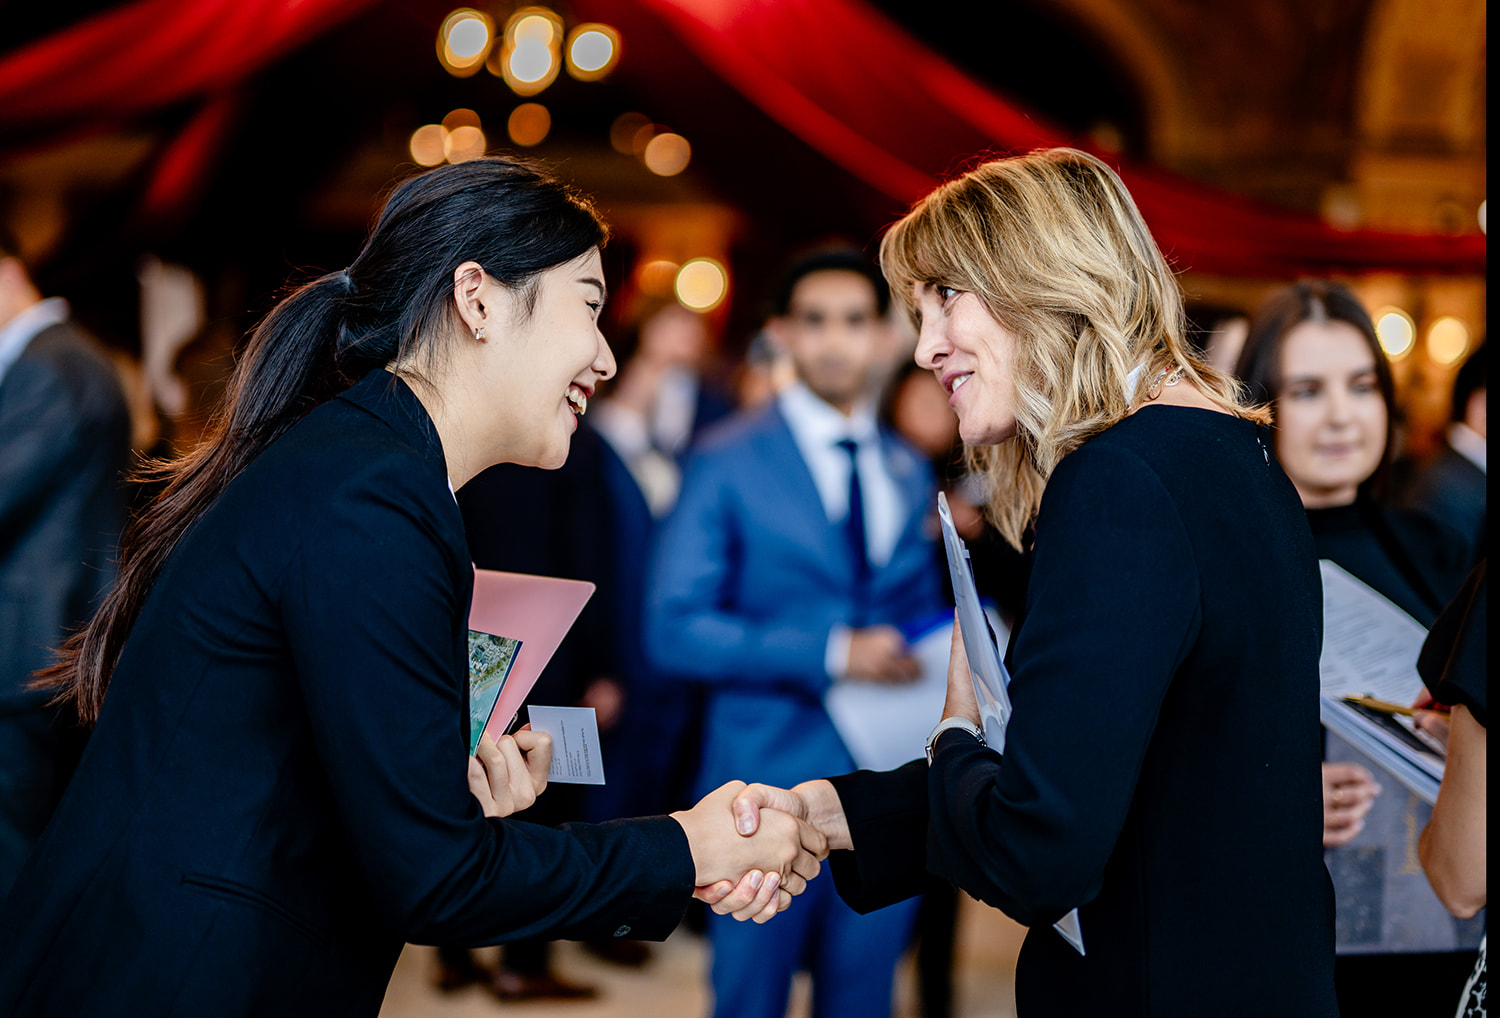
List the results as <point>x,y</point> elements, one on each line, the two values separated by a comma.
<point>1417,563</point>
<point>1161,770</point>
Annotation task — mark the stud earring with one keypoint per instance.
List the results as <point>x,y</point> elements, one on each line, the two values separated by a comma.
<point>479,332</point>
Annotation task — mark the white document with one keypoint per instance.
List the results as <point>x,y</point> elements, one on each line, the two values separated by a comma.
<point>576,758</point>
<point>1370,648</point>
<point>885,725</point>
<point>987,668</point>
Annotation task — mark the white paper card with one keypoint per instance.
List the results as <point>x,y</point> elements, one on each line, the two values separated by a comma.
<point>576,757</point>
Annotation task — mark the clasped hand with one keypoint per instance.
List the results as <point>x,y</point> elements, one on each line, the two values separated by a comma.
<point>759,871</point>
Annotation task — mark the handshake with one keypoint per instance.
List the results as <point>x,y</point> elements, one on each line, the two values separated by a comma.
<point>754,847</point>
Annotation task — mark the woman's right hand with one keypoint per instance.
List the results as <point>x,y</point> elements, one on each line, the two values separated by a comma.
<point>785,851</point>
<point>1348,793</point>
<point>506,777</point>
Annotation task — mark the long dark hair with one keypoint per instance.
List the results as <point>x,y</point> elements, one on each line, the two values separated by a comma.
<point>393,303</point>
<point>1313,300</point>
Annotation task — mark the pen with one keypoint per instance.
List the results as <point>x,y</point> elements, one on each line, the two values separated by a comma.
<point>1383,707</point>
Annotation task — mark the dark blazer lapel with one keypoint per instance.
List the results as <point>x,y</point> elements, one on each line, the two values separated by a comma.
<point>389,398</point>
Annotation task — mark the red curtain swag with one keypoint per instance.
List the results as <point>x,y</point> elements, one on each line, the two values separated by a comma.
<point>835,73</point>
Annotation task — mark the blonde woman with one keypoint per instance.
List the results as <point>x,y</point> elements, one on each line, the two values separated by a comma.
<point>1161,770</point>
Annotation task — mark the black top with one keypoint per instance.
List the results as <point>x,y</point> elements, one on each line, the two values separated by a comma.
<point>1452,662</point>
<point>1415,561</point>
<point>275,796</point>
<point>1161,770</point>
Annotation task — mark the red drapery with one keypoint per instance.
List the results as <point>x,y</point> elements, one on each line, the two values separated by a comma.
<point>835,73</point>
<point>859,89</point>
<point>151,53</point>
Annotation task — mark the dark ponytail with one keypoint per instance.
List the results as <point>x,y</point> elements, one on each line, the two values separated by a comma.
<point>394,302</point>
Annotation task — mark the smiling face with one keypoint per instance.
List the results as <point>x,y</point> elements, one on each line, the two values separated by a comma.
<point>973,357</point>
<point>1331,420</point>
<point>832,332</point>
<point>542,368</point>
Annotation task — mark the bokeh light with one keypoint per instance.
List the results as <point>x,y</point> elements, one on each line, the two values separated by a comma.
<point>1483,226</point>
<point>529,123</point>
<point>667,155</point>
<point>656,278</point>
<point>461,117</point>
<point>464,40</point>
<point>427,144</point>
<point>702,284</point>
<point>1447,340</point>
<point>624,129</point>
<point>642,137</point>
<point>1396,331</point>
<point>593,50</point>
<point>528,58</point>
<point>464,144</point>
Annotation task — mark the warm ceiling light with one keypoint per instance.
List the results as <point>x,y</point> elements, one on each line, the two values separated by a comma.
<point>534,24</point>
<point>529,124</point>
<point>461,117</point>
<point>1396,331</point>
<point>530,62</point>
<point>592,50</point>
<point>667,155</point>
<point>464,40</point>
<point>464,144</point>
<point>1447,340</point>
<point>427,144</point>
<point>623,131</point>
<point>701,284</point>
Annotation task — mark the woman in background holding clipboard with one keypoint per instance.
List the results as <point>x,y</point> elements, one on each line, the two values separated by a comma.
<point>273,796</point>
<point>1174,594</point>
<point>1312,355</point>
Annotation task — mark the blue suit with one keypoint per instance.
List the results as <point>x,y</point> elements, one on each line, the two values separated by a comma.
<point>749,578</point>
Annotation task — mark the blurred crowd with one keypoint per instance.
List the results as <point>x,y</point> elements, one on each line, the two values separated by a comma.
<point>720,504</point>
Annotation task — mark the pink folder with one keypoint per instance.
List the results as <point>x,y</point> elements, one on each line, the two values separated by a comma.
<point>538,611</point>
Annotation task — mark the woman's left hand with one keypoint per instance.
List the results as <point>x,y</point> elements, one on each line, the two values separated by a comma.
<point>961,701</point>
<point>507,776</point>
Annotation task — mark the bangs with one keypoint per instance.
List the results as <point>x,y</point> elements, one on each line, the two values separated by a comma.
<point>921,247</point>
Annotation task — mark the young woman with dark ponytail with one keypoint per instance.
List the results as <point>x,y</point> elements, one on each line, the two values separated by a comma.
<point>273,798</point>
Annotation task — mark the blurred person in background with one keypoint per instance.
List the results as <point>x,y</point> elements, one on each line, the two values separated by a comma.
<point>1312,354</point>
<point>764,371</point>
<point>1453,844</point>
<point>795,551</point>
<point>1451,486</point>
<point>65,433</point>
<point>660,401</point>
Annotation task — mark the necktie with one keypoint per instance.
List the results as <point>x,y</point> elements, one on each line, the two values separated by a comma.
<point>854,523</point>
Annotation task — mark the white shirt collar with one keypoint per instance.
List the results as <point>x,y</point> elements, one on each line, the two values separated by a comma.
<point>1467,443</point>
<point>23,328</point>
<point>815,422</point>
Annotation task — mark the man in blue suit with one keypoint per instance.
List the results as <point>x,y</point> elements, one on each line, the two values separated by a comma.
<point>796,549</point>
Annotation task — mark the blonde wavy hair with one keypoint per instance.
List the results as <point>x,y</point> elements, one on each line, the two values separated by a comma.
<point>1053,246</point>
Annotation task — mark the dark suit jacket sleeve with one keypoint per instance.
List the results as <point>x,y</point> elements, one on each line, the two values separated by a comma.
<point>690,628</point>
<point>887,814</point>
<point>369,605</point>
<point>1112,611</point>
<point>43,426</point>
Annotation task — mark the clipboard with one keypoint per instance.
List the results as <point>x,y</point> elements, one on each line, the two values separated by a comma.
<point>537,611</point>
<point>986,667</point>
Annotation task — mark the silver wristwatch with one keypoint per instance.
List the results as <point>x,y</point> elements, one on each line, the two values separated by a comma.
<point>963,724</point>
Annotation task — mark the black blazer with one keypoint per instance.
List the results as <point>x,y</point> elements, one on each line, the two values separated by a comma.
<point>274,797</point>
<point>1161,770</point>
<point>64,440</point>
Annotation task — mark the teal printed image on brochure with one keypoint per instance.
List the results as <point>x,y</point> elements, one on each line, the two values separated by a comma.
<point>490,660</point>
